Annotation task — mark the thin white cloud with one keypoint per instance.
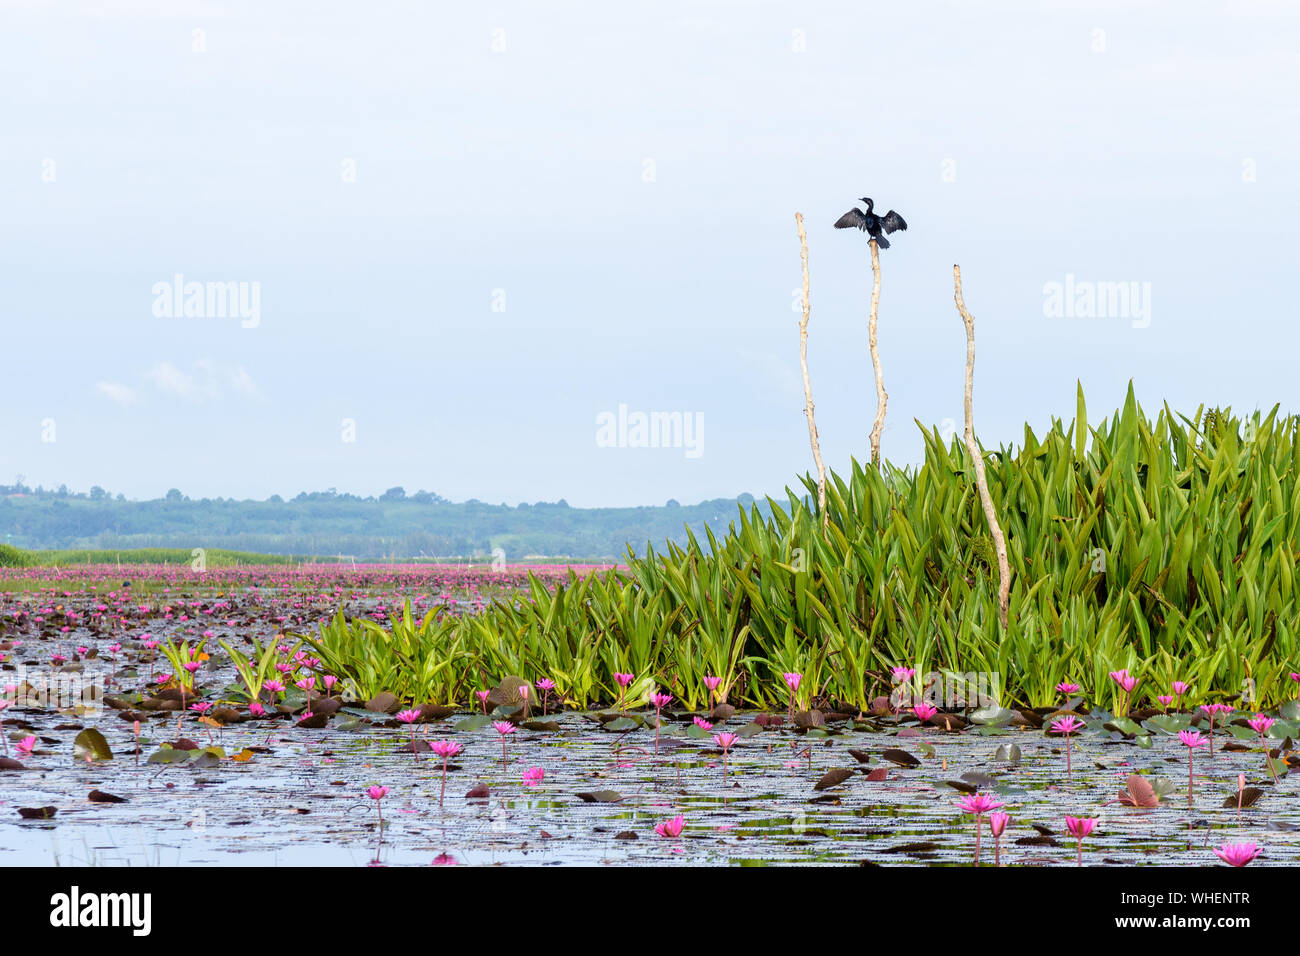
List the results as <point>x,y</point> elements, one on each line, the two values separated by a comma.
<point>167,378</point>
<point>209,381</point>
<point>122,394</point>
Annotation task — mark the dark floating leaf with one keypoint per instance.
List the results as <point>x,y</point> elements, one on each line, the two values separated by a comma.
<point>770,721</point>
<point>924,846</point>
<point>626,835</point>
<point>833,778</point>
<point>480,792</point>
<point>8,763</point>
<point>326,705</point>
<point>99,796</point>
<point>1037,841</point>
<point>1248,796</point>
<point>601,796</point>
<point>808,719</point>
<point>962,786</point>
<point>541,726</point>
<point>979,779</point>
<point>184,743</point>
<point>722,712</point>
<point>861,756</point>
<point>314,722</point>
<point>383,703</point>
<point>879,774</point>
<point>900,757</point>
<point>37,813</point>
<point>947,722</point>
<point>436,711</point>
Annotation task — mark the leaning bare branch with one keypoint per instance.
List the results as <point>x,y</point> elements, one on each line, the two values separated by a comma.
<point>981,480</point>
<point>807,385</point>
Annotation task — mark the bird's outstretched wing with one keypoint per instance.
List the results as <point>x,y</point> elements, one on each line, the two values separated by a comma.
<point>853,219</point>
<point>892,221</point>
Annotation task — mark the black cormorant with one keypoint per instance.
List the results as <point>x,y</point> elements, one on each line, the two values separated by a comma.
<point>870,223</point>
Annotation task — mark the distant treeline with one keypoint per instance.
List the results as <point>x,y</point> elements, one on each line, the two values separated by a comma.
<point>392,525</point>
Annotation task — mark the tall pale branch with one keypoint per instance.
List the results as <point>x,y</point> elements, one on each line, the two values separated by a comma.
<point>807,384</point>
<point>981,480</point>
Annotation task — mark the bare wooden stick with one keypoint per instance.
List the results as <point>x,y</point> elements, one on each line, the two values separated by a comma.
<point>981,480</point>
<point>882,397</point>
<point>807,385</point>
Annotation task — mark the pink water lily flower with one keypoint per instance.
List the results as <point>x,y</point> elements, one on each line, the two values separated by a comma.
<point>1065,687</point>
<point>726,741</point>
<point>505,729</point>
<point>1261,724</point>
<point>925,711</point>
<point>712,684</point>
<point>978,804</point>
<point>1079,828</point>
<point>533,776</point>
<point>998,824</point>
<point>1191,740</point>
<point>1066,726</point>
<point>671,828</point>
<point>1237,854</point>
<point>377,794</point>
<point>446,749</point>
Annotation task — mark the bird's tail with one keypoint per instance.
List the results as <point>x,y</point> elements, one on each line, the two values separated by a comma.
<point>882,242</point>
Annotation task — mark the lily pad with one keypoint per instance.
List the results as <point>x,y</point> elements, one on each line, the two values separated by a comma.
<point>1248,796</point>
<point>90,744</point>
<point>1008,753</point>
<point>992,716</point>
<point>601,796</point>
<point>833,778</point>
<point>900,757</point>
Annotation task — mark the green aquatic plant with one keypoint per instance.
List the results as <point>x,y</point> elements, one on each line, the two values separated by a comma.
<point>1164,547</point>
<point>255,671</point>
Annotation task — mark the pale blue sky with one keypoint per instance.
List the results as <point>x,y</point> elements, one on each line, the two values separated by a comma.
<point>1114,142</point>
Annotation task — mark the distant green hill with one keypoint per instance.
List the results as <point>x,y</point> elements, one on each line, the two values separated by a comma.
<point>421,525</point>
